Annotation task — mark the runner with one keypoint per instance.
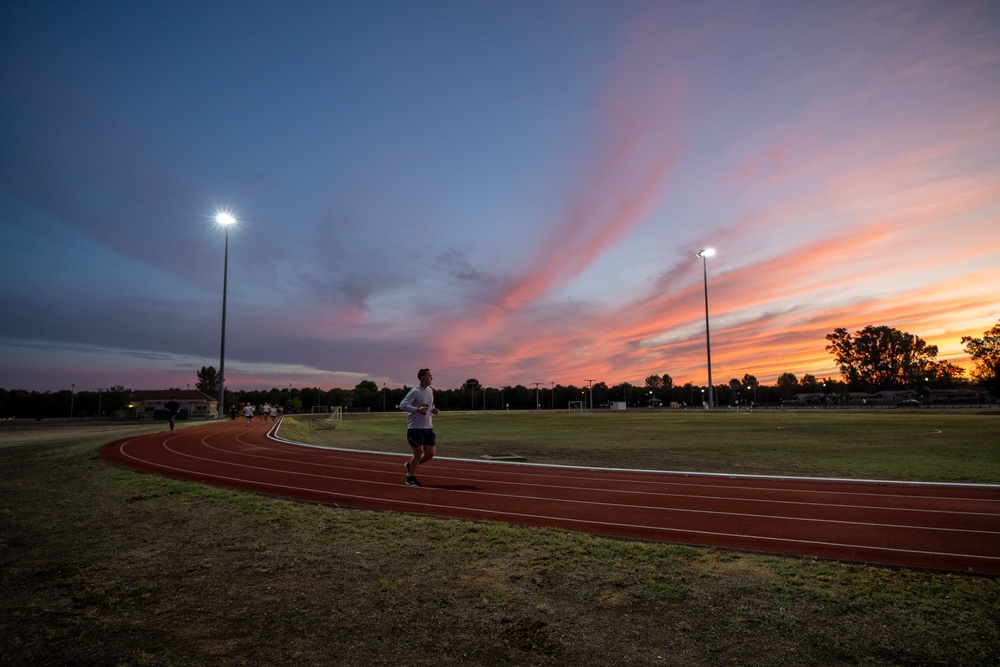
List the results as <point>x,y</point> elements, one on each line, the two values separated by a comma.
<point>419,404</point>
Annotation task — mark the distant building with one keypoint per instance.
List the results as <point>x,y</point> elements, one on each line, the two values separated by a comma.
<point>150,405</point>
<point>957,397</point>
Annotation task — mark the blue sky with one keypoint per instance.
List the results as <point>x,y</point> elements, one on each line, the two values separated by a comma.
<point>511,191</point>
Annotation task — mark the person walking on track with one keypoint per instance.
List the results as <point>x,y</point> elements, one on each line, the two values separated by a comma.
<point>419,406</point>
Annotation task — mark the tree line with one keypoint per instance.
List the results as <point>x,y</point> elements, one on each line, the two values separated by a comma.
<point>876,358</point>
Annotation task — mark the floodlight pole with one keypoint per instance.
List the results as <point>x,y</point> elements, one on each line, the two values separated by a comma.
<point>538,404</point>
<point>707,252</point>
<point>590,383</point>
<point>225,220</point>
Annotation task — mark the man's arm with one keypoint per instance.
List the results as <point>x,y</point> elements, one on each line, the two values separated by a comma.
<point>407,404</point>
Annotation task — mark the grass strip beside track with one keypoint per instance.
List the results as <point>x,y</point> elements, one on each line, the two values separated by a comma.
<point>946,446</point>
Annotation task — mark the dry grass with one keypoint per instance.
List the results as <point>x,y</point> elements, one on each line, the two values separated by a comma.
<point>102,566</point>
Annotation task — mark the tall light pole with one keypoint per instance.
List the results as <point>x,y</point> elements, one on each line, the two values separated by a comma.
<point>226,220</point>
<point>590,383</point>
<point>704,253</point>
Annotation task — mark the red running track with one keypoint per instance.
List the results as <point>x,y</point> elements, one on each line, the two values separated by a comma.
<point>938,526</point>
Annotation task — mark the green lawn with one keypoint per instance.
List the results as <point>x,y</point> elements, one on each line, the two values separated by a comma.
<point>945,446</point>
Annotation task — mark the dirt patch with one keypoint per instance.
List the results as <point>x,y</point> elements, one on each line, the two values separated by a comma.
<point>102,566</point>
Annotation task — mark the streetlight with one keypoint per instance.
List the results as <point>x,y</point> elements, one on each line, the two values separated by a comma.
<point>703,253</point>
<point>226,220</point>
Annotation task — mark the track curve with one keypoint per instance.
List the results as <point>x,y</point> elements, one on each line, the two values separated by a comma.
<point>936,526</point>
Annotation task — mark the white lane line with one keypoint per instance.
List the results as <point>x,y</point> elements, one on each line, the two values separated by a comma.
<point>539,470</point>
<point>336,465</point>
<point>488,494</point>
<point>563,520</point>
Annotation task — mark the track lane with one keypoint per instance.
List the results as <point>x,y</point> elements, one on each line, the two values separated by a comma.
<point>952,527</point>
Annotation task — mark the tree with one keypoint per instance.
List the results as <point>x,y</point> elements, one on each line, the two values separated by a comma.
<point>985,353</point>
<point>599,393</point>
<point>366,395</point>
<point>115,399</point>
<point>881,357</point>
<point>472,385</point>
<point>788,385</point>
<point>208,380</point>
<point>945,374</point>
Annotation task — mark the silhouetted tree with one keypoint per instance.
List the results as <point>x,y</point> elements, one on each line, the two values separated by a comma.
<point>366,395</point>
<point>985,353</point>
<point>471,386</point>
<point>788,385</point>
<point>208,381</point>
<point>880,357</point>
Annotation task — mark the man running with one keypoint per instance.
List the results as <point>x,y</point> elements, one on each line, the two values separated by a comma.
<point>173,408</point>
<point>419,404</point>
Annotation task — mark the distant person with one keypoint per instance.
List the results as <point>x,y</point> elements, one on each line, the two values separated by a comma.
<point>173,408</point>
<point>232,413</point>
<point>419,406</point>
<point>248,413</point>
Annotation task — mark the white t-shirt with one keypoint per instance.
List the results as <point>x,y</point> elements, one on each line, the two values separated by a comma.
<point>415,399</point>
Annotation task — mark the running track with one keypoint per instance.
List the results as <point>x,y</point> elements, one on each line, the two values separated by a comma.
<point>947,527</point>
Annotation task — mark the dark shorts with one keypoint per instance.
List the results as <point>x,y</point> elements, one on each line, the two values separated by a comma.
<point>419,437</point>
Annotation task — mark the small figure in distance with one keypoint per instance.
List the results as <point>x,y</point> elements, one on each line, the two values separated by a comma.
<point>173,407</point>
<point>419,406</point>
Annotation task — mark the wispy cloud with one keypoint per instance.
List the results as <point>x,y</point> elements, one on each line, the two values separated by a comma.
<point>515,228</point>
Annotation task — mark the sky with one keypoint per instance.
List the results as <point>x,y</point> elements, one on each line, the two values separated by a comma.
<point>514,191</point>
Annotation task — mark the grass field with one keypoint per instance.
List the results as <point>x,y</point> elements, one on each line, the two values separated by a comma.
<point>104,566</point>
<point>946,446</point>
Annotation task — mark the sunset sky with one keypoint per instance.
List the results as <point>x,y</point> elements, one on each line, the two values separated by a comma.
<point>513,191</point>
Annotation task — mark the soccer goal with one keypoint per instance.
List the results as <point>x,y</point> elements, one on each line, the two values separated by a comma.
<point>336,414</point>
<point>576,407</point>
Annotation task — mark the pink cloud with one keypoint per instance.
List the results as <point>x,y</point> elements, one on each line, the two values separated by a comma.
<point>866,216</point>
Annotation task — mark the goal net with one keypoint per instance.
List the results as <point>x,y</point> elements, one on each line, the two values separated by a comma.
<point>327,420</point>
<point>576,406</point>
<point>320,408</point>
